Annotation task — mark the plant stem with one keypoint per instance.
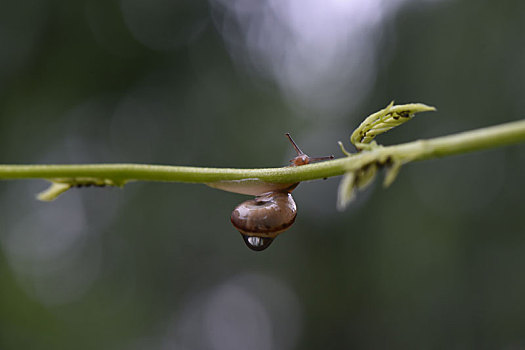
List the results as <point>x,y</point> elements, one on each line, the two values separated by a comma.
<point>504,134</point>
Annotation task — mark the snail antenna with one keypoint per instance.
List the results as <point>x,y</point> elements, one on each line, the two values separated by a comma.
<point>297,149</point>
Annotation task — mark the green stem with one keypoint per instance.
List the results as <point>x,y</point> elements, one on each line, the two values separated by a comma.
<point>504,134</point>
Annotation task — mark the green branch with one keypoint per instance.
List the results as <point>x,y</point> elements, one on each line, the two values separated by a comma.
<point>358,167</point>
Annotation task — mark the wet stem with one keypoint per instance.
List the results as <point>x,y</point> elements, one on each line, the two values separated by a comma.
<point>65,176</point>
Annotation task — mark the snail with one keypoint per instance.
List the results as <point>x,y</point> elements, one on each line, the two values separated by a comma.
<point>263,218</point>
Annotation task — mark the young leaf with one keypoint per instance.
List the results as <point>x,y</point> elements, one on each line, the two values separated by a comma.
<point>384,120</point>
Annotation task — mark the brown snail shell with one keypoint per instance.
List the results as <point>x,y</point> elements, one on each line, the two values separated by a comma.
<point>261,219</point>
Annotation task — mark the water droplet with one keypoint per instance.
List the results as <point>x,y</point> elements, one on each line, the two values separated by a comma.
<point>257,243</point>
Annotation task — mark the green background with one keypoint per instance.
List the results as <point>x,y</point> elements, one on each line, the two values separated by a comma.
<point>435,261</point>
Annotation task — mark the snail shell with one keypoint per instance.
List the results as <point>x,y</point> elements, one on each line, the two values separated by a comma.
<point>261,219</point>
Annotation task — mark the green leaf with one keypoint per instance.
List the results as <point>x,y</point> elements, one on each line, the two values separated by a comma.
<point>53,191</point>
<point>345,194</point>
<point>385,120</point>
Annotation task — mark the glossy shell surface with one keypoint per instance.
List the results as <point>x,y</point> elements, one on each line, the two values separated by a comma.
<point>265,216</point>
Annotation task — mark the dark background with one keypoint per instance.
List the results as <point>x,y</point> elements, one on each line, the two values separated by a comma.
<point>435,261</point>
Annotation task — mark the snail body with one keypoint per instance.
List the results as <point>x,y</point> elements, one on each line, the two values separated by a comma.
<point>263,218</point>
<point>252,187</point>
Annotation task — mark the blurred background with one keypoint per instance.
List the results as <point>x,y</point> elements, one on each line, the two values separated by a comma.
<point>434,261</point>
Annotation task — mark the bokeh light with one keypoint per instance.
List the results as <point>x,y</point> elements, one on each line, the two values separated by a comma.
<point>322,54</point>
